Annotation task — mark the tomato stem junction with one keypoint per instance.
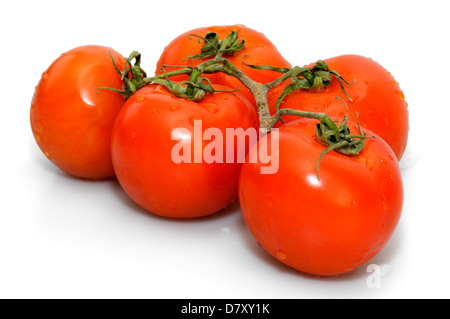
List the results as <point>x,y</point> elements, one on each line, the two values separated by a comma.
<point>335,137</point>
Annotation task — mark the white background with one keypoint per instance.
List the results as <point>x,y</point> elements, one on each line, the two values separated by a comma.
<point>65,238</point>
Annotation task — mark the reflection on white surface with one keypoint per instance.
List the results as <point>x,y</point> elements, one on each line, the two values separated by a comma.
<point>374,280</point>
<point>410,157</point>
<point>225,231</point>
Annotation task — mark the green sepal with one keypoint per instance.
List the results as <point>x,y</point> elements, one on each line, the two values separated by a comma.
<point>213,45</point>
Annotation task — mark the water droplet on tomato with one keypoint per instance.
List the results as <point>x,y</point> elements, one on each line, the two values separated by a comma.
<point>211,107</point>
<point>370,164</point>
<point>355,203</point>
<point>39,127</point>
<point>281,255</point>
<point>37,137</point>
<point>270,201</point>
<point>47,154</point>
<point>44,76</point>
<point>391,175</point>
<point>192,119</point>
<point>133,135</point>
<point>401,95</point>
<point>385,204</point>
<point>174,107</point>
<point>382,229</point>
<point>161,89</point>
<point>366,82</point>
<point>140,99</point>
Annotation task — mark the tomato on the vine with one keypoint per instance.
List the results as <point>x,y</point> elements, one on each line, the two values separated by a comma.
<point>160,147</point>
<point>377,101</point>
<point>258,50</point>
<point>70,118</point>
<point>328,225</point>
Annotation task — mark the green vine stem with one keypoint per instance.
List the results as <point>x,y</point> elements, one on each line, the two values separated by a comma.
<point>336,137</point>
<point>132,74</point>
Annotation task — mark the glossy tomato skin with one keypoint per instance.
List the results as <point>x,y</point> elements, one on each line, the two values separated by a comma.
<point>258,48</point>
<point>70,120</point>
<point>329,226</point>
<point>376,95</point>
<point>151,123</point>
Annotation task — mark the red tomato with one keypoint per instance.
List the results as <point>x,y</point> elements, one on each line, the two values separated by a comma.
<point>325,226</point>
<point>150,126</point>
<point>377,98</point>
<point>71,121</point>
<point>258,48</point>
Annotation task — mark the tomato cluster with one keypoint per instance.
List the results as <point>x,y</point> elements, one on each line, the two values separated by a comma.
<point>324,199</point>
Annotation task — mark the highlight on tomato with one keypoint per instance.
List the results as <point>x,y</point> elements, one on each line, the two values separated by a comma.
<point>70,118</point>
<point>239,44</point>
<point>159,142</point>
<point>324,217</point>
<point>370,91</point>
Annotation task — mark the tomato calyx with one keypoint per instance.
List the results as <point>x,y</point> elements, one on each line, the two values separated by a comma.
<point>316,77</point>
<point>313,78</point>
<point>335,137</point>
<point>132,75</point>
<point>191,90</point>
<point>194,89</point>
<point>339,138</point>
<point>214,47</point>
